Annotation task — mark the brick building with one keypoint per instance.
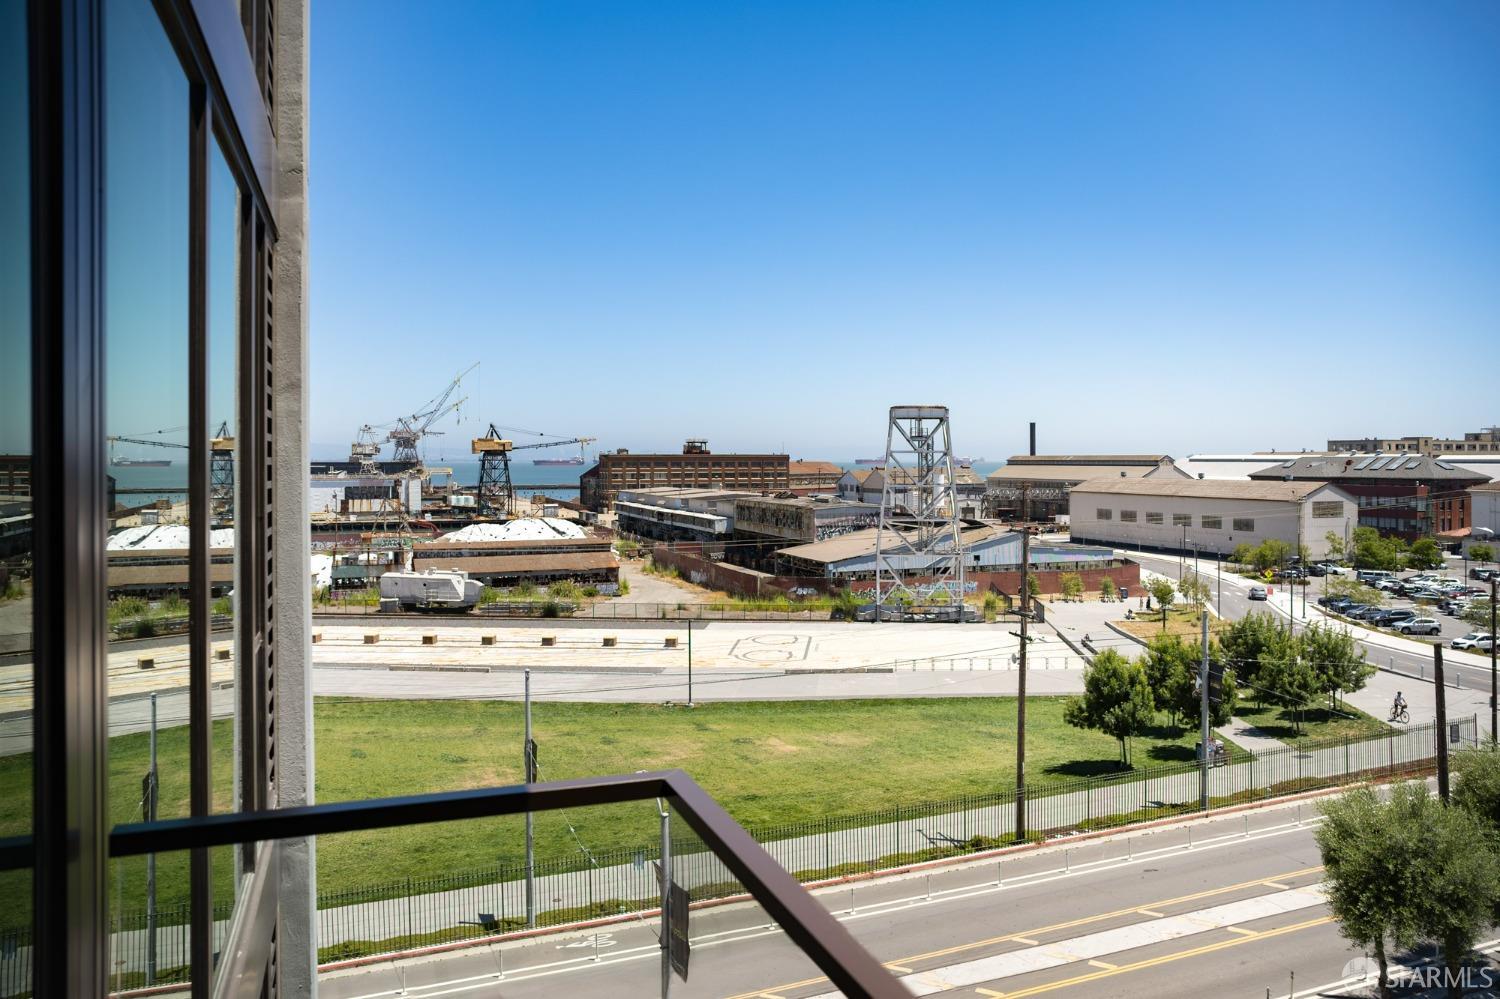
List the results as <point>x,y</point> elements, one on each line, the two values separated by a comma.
<point>1407,495</point>
<point>695,468</point>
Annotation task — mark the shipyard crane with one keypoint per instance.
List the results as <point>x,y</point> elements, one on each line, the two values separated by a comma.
<point>406,431</point>
<point>410,429</point>
<point>496,494</point>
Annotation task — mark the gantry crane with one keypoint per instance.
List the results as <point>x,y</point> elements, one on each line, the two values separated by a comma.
<point>496,494</point>
<point>221,466</point>
<point>406,431</point>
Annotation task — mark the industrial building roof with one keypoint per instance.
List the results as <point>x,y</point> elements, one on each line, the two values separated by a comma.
<point>800,467</point>
<point>505,547</point>
<point>1087,459</point>
<point>164,536</point>
<point>1063,470</point>
<point>498,564</point>
<point>859,543</point>
<point>1238,489</point>
<point>1377,467</point>
<point>526,529</point>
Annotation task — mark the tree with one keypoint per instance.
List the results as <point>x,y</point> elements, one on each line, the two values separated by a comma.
<point>1335,545</point>
<point>1172,668</point>
<point>1194,589</point>
<point>1116,700</point>
<point>1478,615</point>
<point>1162,590</point>
<point>1425,554</point>
<point>1477,789</point>
<point>1270,554</point>
<point>1457,900</point>
<point>1482,553</point>
<point>1287,679</point>
<point>1033,587</point>
<point>1372,870</point>
<point>1072,585</point>
<point>1107,589</point>
<point>1247,642</point>
<point>1243,554</point>
<point>1336,659</point>
<point>1372,551</point>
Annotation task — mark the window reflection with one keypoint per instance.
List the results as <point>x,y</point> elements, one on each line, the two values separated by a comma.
<point>146,417</point>
<point>16,498</point>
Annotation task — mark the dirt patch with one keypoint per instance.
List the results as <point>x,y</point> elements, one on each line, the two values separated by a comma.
<point>782,747</point>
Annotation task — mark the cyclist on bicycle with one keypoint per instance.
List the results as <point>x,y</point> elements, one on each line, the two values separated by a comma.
<point>1398,706</point>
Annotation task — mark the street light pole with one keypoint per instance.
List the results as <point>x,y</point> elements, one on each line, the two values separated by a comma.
<point>529,760</point>
<point>1494,677</point>
<point>1021,662</point>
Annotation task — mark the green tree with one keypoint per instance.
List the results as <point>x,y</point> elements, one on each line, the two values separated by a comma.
<point>1335,545</point>
<point>1372,551</point>
<point>1194,589</point>
<point>1478,615</point>
<point>1336,659</point>
<point>1271,553</point>
<point>1243,554</point>
<point>1482,553</point>
<point>1425,554</point>
<point>1072,585</point>
<point>1373,869</point>
<point>1172,668</point>
<point>1033,587</point>
<point>1107,589</point>
<point>1477,788</point>
<point>1461,884</point>
<point>1116,700</point>
<point>1287,679</point>
<point>1247,642</point>
<point>1162,590</point>
<point>1348,586</point>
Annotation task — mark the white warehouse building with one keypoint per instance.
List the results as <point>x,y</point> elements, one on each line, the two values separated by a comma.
<point>1210,515</point>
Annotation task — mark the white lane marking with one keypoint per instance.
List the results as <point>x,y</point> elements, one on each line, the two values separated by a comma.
<point>874,909</point>
<point>1105,942</point>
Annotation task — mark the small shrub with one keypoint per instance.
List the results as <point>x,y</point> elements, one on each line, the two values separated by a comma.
<point>144,628</point>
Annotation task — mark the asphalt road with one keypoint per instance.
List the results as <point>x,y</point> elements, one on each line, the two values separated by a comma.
<point>1152,913</point>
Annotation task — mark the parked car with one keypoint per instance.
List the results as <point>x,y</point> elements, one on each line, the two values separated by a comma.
<point>1391,618</point>
<point>1316,569</point>
<point>1339,604</point>
<point>1391,586</point>
<point>1479,641</point>
<point>1484,575</point>
<point>1354,610</point>
<point>1420,626</point>
<point>1257,593</point>
<point>1332,568</point>
<point>1370,613</point>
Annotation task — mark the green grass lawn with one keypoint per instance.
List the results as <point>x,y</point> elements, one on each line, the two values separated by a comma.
<point>766,762</point>
<point>1318,724</point>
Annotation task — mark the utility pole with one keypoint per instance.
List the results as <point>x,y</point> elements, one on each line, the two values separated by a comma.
<point>1220,607</point>
<point>690,661</point>
<point>1442,720</point>
<point>1494,682</point>
<point>1021,661</point>
<point>529,759</point>
<point>149,814</point>
<point>1203,753</point>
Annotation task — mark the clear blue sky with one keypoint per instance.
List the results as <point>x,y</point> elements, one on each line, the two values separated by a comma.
<point>1148,226</point>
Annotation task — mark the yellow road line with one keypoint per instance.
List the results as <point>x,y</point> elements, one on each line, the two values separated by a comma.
<point>1272,884</point>
<point>1240,930</point>
<point>898,969</point>
<point>1024,940</point>
<point>1168,958</point>
<point>1081,921</point>
<point>1104,964</point>
<point>991,993</point>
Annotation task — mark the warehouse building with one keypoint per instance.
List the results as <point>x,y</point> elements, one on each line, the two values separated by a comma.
<point>355,494</point>
<point>695,468</point>
<point>809,477</point>
<point>586,561</point>
<point>675,514</point>
<point>1209,515</point>
<point>1047,478</point>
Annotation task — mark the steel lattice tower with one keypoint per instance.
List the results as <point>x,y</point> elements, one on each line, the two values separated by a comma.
<point>919,557</point>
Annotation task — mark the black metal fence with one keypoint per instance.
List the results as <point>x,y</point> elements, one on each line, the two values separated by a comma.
<point>456,906</point>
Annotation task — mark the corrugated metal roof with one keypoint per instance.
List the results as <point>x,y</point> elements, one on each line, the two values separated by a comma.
<point>500,564</point>
<point>1066,473</point>
<point>858,543</point>
<point>1397,466</point>
<point>1202,488</point>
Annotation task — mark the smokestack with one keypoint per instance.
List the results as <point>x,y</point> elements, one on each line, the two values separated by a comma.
<point>1033,439</point>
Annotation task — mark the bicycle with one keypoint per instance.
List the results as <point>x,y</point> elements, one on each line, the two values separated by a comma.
<point>1400,715</point>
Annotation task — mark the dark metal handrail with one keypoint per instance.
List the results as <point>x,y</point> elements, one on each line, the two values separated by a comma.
<point>812,927</point>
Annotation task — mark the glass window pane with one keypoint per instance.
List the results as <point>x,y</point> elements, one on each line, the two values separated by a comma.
<point>146,417</point>
<point>15,496</point>
<point>222,430</point>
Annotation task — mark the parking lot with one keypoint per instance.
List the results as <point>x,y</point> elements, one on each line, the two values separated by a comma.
<point>1451,626</point>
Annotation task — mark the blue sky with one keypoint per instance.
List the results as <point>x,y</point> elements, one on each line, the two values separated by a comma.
<point>1147,226</point>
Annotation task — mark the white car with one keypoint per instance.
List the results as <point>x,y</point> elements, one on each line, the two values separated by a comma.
<point>1420,626</point>
<point>1479,641</point>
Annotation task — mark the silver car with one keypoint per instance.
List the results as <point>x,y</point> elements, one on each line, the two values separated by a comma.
<point>1420,626</point>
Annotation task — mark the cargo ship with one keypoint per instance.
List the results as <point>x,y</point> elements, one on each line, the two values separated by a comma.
<point>141,462</point>
<point>556,462</point>
<point>869,461</point>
